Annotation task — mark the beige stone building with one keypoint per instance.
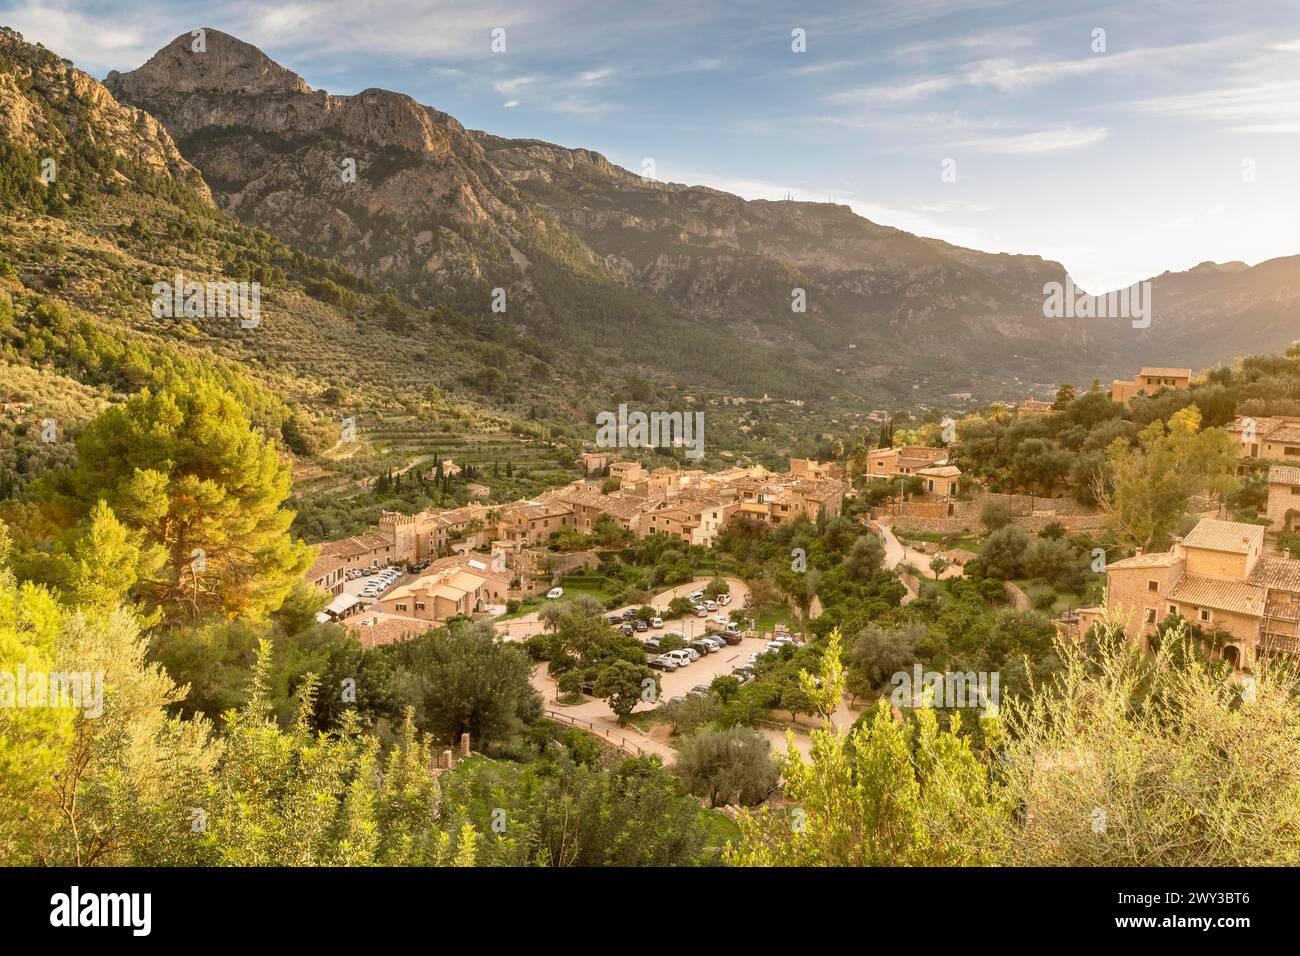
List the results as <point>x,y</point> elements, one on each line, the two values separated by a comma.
<point>940,480</point>
<point>1220,579</point>
<point>1283,498</point>
<point>1032,406</point>
<point>438,596</point>
<point>1149,381</point>
<point>1268,439</point>
<point>884,464</point>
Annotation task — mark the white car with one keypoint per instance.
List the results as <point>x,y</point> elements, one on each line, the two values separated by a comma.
<point>694,654</point>
<point>700,610</point>
<point>711,605</point>
<point>680,657</point>
<point>724,599</point>
<point>554,593</point>
<point>773,646</point>
<point>657,622</point>
<point>695,597</point>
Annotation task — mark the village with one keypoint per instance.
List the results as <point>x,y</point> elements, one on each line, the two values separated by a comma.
<point>416,572</point>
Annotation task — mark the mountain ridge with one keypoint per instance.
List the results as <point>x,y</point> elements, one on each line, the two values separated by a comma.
<point>592,255</point>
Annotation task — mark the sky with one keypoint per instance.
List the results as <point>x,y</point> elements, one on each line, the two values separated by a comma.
<point>1120,139</point>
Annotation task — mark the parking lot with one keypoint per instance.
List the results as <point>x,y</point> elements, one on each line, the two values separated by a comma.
<point>678,682</point>
<point>356,585</point>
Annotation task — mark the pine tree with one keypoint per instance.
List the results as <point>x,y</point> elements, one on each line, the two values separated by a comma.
<point>184,469</point>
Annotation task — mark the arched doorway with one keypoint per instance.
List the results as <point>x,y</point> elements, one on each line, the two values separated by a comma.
<point>1232,653</point>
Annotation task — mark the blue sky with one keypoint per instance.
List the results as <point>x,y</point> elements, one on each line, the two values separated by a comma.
<point>1177,144</point>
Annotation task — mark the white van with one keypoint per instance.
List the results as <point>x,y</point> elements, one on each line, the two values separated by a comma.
<point>679,657</point>
<point>554,593</point>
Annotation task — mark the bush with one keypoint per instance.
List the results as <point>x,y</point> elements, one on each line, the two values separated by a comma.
<point>995,514</point>
<point>1004,554</point>
<point>732,766</point>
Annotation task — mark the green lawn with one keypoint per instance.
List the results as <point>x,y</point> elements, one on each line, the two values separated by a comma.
<point>721,828</point>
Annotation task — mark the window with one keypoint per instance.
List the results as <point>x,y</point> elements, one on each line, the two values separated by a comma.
<point>1153,585</point>
<point>1293,451</point>
<point>1173,609</point>
<point>400,607</point>
<point>419,605</point>
<point>1205,614</point>
<point>1150,616</point>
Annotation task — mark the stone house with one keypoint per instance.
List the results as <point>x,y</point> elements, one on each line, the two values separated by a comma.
<point>1269,439</point>
<point>1149,381</point>
<point>1219,578</point>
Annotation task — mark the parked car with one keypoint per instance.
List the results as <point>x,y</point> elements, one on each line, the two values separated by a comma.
<point>700,610</point>
<point>724,599</point>
<point>676,700</point>
<point>663,663</point>
<point>615,619</point>
<point>711,605</point>
<point>629,614</point>
<point>554,593</point>
<point>642,626</point>
<point>651,644</point>
<point>773,646</point>
<point>717,642</point>
<point>628,630</point>
<point>695,597</point>
<point>699,690</point>
<point>692,653</point>
<point>657,622</point>
<point>680,657</point>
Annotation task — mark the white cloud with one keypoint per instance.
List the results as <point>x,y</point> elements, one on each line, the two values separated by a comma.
<point>94,45</point>
<point>1262,107</point>
<point>1040,141</point>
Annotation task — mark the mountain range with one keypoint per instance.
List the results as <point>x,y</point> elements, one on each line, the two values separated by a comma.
<point>622,277</point>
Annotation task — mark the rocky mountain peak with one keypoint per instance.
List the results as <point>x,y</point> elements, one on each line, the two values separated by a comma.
<point>209,61</point>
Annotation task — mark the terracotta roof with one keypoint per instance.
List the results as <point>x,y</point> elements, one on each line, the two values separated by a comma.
<point>532,510</point>
<point>1167,372</point>
<point>607,504</point>
<point>1278,574</point>
<point>1233,536</point>
<point>1156,559</point>
<point>1283,610</point>
<point>941,471</point>
<point>355,546</point>
<point>375,630</point>
<point>1220,595</point>
<point>1284,475</point>
<point>325,564</point>
<point>1284,433</point>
